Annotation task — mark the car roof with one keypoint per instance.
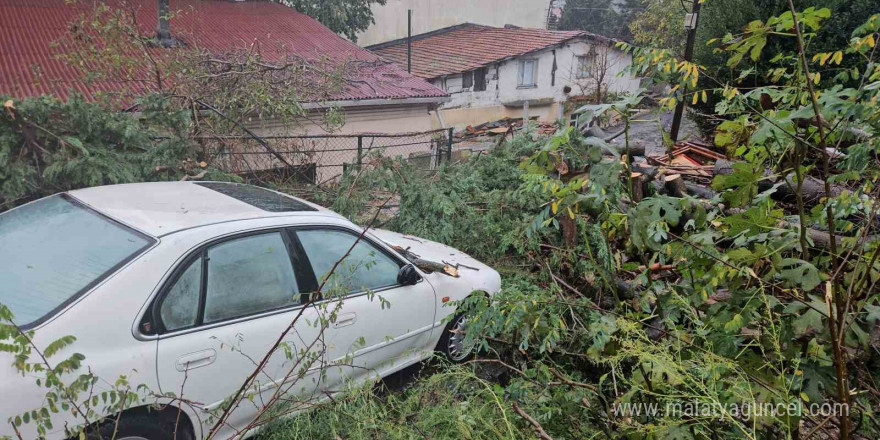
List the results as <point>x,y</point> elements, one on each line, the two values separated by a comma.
<point>162,208</point>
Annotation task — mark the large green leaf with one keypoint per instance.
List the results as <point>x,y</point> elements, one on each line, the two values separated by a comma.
<point>741,185</point>
<point>751,222</point>
<point>798,273</point>
<point>650,219</point>
<point>809,316</point>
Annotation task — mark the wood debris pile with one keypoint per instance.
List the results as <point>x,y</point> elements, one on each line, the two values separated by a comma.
<point>688,158</point>
<point>686,170</point>
<point>502,127</point>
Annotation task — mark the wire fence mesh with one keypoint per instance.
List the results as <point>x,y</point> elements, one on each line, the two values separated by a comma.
<point>319,159</point>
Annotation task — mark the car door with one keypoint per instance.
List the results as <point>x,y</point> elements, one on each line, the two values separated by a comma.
<point>223,310</point>
<point>378,325</point>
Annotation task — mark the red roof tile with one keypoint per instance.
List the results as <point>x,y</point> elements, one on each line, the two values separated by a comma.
<point>29,65</point>
<point>470,46</point>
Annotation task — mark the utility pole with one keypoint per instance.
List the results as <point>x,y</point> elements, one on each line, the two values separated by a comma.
<point>690,23</point>
<point>409,40</point>
<point>163,30</point>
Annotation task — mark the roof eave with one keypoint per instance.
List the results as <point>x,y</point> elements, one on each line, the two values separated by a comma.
<point>585,35</point>
<point>376,102</point>
<point>421,36</point>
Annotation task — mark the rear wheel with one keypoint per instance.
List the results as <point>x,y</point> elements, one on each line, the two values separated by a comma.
<point>452,343</point>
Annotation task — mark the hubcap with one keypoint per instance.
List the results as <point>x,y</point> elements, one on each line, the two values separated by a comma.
<point>457,349</point>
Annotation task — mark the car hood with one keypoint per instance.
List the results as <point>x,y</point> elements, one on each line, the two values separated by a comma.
<point>429,250</point>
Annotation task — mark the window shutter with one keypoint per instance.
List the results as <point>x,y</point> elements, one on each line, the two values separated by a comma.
<point>534,80</point>
<point>480,79</point>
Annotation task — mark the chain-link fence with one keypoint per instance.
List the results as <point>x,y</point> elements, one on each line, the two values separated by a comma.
<point>320,159</point>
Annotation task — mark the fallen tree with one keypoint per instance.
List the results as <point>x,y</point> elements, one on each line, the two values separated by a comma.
<point>812,189</point>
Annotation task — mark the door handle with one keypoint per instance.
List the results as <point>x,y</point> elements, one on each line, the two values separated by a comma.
<point>345,320</point>
<point>195,360</point>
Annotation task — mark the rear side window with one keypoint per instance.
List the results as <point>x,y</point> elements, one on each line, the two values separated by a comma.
<point>180,307</point>
<point>249,275</point>
<point>54,249</point>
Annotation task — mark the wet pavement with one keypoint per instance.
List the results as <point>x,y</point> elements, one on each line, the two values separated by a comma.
<point>645,130</point>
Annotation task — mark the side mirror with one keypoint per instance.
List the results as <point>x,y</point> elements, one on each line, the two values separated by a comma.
<point>407,275</point>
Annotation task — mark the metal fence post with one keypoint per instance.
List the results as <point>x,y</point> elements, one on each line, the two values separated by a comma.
<point>449,150</point>
<point>360,151</point>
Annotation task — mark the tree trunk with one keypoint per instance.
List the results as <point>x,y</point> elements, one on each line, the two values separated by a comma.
<point>813,189</point>
<point>569,230</point>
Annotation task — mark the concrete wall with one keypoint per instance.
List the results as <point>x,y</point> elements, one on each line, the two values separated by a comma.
<point>389,119</point>
<point>504,98</point>
<point>360,120</point>
<point>462,117</point>
<point>429,15</point>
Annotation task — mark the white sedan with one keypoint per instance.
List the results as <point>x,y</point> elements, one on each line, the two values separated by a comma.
<point>184,287</point>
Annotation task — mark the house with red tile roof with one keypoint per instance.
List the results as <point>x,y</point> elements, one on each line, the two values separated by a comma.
<point>378,97</point>
<point>496,72</point>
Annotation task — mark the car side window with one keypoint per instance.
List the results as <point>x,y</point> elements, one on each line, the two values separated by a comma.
<point>180,307</point>
<point>249,275</point>
<point>365,268</point>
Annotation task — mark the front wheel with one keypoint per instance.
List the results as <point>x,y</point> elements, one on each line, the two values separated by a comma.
<point>140,427</point>
<point>452,343</point>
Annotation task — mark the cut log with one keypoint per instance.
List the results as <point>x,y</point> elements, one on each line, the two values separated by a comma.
<point>634,149</point>
<point>594,131</point>
<point>700,191</point>
<point>674,185</point>
<point>638,183</point>
<point>649,171</point>
<point>813,190</point>
<point>722,167</point>
<point>822,239</point>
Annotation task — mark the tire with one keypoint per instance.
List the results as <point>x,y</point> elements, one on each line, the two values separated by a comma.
<point>140,427</point>
<point>451,341</point>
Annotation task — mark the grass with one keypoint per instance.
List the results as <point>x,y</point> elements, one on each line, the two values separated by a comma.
<point>452,404</point>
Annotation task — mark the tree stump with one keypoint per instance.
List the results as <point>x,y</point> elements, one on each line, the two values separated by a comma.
<point>674,185</point>
<point>638,182</point>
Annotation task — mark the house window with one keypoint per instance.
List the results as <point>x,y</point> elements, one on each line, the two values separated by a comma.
<point>528,73</point>
<point>584,66</point>
<point>480,79</point>
<point>467,80</point>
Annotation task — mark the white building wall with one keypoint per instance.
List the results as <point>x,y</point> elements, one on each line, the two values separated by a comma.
<point>430,15</point>
<point>358,120</point>
<point>325,152</point>
<point>503,97</point>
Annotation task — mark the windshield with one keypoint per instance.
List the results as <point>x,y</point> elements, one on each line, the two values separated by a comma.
<point>54,249</point>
